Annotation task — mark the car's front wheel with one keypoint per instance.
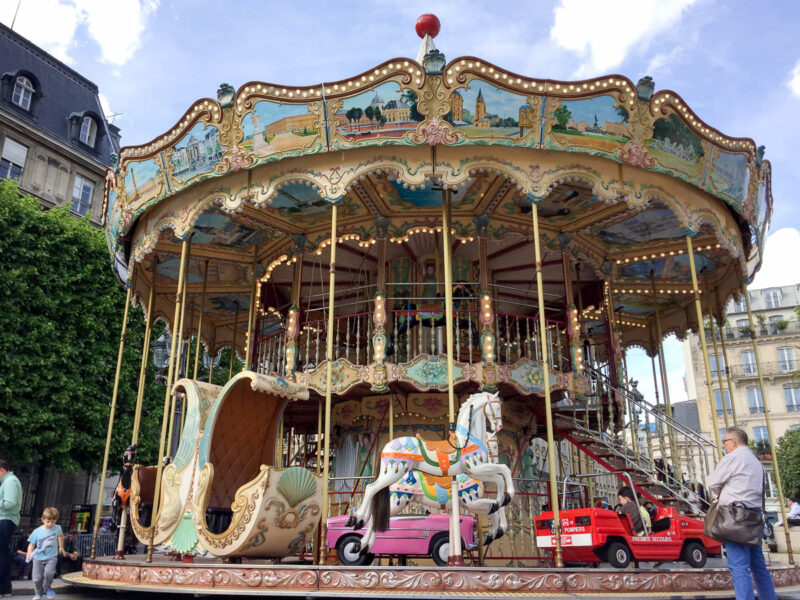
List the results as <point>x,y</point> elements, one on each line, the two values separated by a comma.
<point>619,555</point>
<point>349,549</point>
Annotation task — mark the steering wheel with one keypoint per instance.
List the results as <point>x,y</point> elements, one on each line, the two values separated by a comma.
<point>617,508</point>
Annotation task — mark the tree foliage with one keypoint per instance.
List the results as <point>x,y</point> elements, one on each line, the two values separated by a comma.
<point>60,316</point>
<point>788,454</point>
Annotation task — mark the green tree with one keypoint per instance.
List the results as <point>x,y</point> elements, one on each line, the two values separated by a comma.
<point>369,112</point>
<point>623,113</point>
<point>788,454</point>
<point>60,315</point>
<point>562,116</point>
<point>410,98</point>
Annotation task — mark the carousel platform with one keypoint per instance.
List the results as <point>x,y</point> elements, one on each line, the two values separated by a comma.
<point>215,578</point>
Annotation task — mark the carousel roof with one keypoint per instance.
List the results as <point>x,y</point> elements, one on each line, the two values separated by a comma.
<point>621,175</point>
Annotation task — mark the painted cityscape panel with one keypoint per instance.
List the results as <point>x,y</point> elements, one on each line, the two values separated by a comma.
<point>483,111</point>
<point>382,112</point>
<point>196,152</point>
<point>273,128</point>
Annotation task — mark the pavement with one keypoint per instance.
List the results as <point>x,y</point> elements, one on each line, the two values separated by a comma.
<point>24,587</point>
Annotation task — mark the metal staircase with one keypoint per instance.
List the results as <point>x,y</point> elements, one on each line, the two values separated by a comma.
<point>605,426</point>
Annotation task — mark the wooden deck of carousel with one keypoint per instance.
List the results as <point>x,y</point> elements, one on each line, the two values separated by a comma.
<point>212,577</point>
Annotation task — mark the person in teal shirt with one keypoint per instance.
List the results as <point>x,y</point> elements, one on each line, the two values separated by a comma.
<point>10,504</point>
<point>44,546</point>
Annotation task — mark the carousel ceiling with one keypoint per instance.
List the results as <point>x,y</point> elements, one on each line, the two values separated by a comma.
<point>621,177</point>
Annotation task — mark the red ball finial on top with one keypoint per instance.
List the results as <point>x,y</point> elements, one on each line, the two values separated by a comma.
<point>428,24</point>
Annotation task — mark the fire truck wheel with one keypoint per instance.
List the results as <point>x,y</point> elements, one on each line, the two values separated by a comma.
<point>695,554</point>
<point>619,555</point>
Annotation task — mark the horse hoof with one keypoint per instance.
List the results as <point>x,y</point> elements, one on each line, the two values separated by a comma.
<point>359,524</point>
<point>488,540</point>
<point>362,550</point>
<point>356,547</point>
<point>494,508</point>
<point>506,499</point>
<point>351,520</point>
<point>500,533</point>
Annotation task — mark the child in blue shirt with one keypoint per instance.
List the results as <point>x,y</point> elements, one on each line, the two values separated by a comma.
<point>44,546</point>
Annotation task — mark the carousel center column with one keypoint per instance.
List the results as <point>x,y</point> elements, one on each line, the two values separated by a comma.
<point>486,310</point>
<point>293,316</point>
<point>379,316</point>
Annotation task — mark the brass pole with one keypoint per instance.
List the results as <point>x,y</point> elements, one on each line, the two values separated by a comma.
<point>716,359</point>
<point>233,343</point>
<point>657,423</point>
<point>328,383</point>
<point>280,443</point>
<point>179,334</point>
<point>551,449</point>
<point>391,418</point>
<point>727,365</point>
<point>252,312</point>
<point>212,357</point>
<point>703,345</point>
<point>662,367</point>
<point>148,332</point>
<point>586,461</point>
<point>456,558</point>
<point>768,419</point>
<point>129,285</point>
<point>319,434</point>
<point>200,323</point>
<point>167,395</point>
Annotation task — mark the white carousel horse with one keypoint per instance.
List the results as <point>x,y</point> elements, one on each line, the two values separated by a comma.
<point>435,492</point>
<point>467,452</point>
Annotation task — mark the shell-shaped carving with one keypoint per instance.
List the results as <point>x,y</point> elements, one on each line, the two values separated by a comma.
<point>296,484</point>
<point>184,540</point>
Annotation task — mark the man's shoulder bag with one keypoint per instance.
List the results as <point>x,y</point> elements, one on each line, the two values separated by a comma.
<point>735,522</point>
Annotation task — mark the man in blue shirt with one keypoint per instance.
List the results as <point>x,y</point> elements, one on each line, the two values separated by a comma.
<point>10,504</point>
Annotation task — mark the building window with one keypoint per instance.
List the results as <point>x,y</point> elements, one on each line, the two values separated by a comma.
<point>712,358</point>
<point>761,440</point>
<point>81,195</point>
<point>740,306</point>
<point>755,400</point>
<point>786,359</point>
<point>12,161</point>
<point>749,362</point>
<point>23,93</point>
<point>88,131</point>
<point>718,402</point>
<point>772,298</point>
<point>794,427</point>
<point>792,395</point>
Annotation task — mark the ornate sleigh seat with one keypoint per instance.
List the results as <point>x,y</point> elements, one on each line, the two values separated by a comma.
<point>243,504</point>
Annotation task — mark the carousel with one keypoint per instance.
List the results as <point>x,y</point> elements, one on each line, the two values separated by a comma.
<point>431,272</point>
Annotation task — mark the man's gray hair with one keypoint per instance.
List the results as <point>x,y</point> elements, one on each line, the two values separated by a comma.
<point>739,433</point>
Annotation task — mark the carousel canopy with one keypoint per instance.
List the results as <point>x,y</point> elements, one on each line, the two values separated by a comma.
<point>621,176</point>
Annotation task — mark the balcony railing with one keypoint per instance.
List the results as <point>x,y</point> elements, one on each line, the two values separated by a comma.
<point>766,330</point>
<point>782,367</point>
<point>411,330</point>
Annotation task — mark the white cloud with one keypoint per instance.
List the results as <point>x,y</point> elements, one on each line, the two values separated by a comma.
<point>116,27</point>
<point>794,82</point>
<point>663,59</point>
<point>779,267</point>
<point>604,32</point>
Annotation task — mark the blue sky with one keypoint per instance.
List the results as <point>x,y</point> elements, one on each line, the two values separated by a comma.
<point>737,64</point>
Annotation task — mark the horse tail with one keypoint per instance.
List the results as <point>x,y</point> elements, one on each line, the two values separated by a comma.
<point>381,509</point>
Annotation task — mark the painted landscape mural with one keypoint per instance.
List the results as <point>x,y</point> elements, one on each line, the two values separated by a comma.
<point>273,128</point>
<point>730,176</point>
<point>676,147</point>
<point>598,123</point>
<point>196,153</point>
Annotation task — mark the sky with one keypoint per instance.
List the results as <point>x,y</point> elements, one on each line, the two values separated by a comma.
<point>737,64</point>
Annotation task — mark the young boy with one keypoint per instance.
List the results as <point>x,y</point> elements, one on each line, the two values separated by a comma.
<point>628,507</point>
<point>44,546</point>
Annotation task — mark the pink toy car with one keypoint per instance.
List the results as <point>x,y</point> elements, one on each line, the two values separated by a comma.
<point>410,535</point>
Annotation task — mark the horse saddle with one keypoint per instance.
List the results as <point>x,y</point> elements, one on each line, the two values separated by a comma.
<point>447,446</point>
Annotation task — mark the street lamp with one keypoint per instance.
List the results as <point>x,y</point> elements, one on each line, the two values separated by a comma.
<point>161,354</point>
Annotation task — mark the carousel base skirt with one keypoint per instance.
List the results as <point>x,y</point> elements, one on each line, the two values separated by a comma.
<point>215,578</point>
